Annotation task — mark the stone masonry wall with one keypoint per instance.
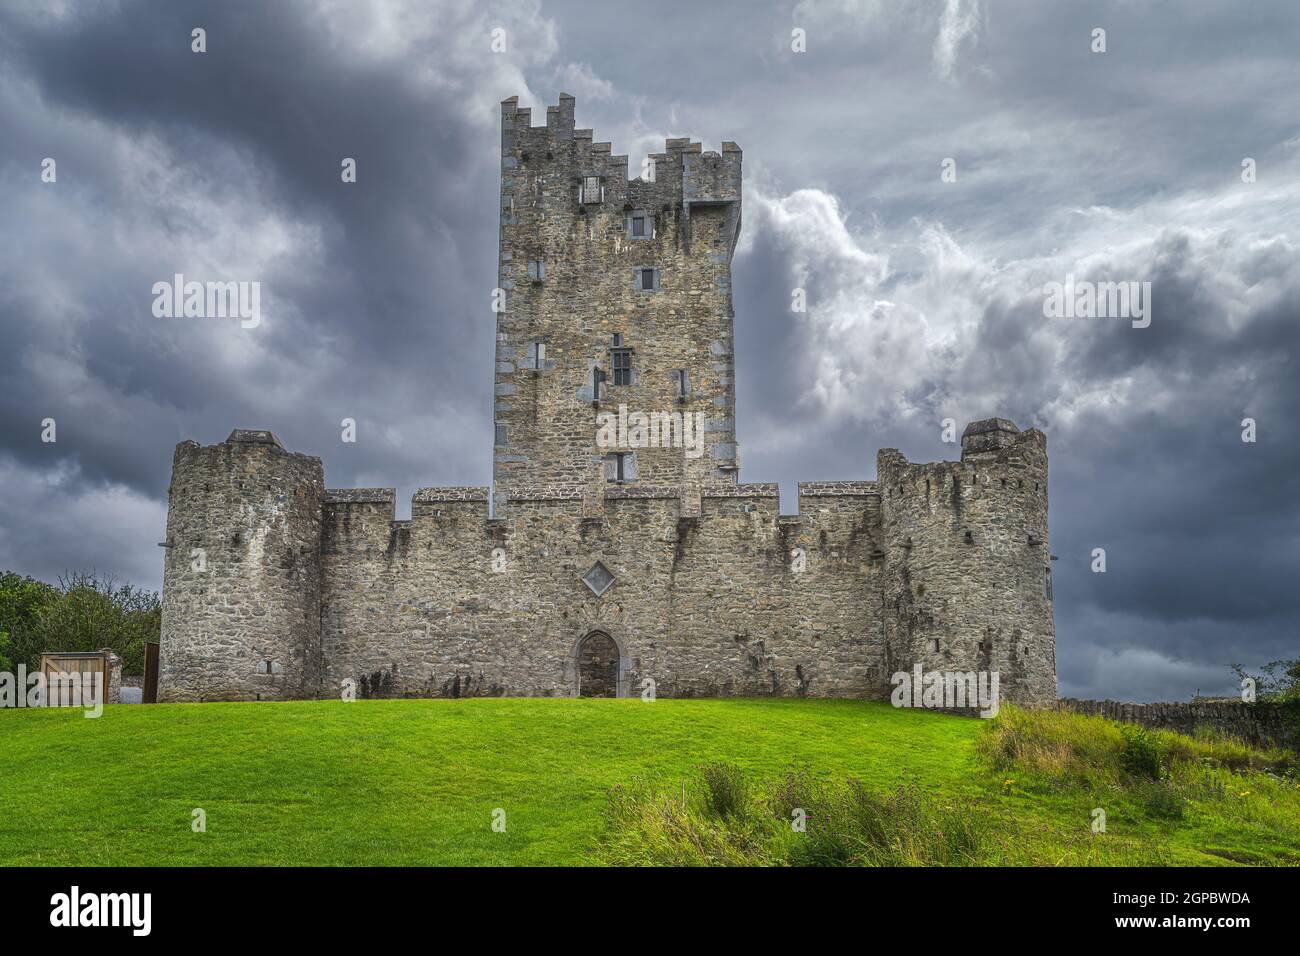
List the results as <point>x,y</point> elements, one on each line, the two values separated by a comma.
<point>1261,724</point>
<point>967,584</point>
<point>703,605</point>
<point>588,291</point>
<point>241,577</point>
<point>714,593</point>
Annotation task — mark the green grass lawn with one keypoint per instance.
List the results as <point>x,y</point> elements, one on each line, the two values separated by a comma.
<point>417,781</point>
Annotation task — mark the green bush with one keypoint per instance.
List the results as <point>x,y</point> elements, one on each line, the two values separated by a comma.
<point>1140,754</point>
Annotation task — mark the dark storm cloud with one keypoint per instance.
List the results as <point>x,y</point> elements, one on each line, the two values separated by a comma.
<point>375,295</point>
<point>924,297</point>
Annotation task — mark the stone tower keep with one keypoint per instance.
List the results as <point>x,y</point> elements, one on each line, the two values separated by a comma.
<point>608,562</point>
<point>617,300</point>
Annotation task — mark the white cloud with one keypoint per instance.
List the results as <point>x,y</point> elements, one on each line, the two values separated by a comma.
<point>959,24</point>
<point>581,81</point>
<point>892,310</point>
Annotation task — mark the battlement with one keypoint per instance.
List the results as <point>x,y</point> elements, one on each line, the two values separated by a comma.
<point>996,437</point>
<point>452,493</point>
<point>837,489</point>
<point>254,436</point>
<point>256,441</point>
<point>687,172</point>
<point>358,496</point>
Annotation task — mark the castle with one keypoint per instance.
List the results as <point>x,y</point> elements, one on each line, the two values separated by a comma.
<point>619,550</point>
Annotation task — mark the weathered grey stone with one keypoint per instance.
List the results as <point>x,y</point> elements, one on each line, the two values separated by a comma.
<point>716,593</point>
<point>1259,723</point>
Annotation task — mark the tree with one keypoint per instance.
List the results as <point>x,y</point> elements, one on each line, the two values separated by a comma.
<point>21,601</point>
<point>84,613</point>
<point>1278,681</point>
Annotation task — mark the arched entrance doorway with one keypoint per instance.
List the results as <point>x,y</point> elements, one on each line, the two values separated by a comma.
<point>598,659</point>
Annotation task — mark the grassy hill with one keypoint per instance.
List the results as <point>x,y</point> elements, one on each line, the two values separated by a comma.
<point>417,781</point>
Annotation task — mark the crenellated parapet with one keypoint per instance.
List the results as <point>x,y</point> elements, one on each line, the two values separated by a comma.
<point>559,157</point>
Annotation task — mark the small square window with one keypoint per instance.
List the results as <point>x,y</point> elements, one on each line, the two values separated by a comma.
<point>620,466</point>
<point>591,189</point>
<point>536,270</point>
<point>638,225</point>
<point>647,280</point>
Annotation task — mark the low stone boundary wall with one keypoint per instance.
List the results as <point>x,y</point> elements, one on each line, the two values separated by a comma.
<point>1262,724</point>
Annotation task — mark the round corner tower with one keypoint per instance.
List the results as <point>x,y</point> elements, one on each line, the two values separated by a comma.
<point>968,568</point>
<point>241,580</point>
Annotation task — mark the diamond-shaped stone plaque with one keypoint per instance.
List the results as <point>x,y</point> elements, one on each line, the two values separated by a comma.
<point>598,579</point>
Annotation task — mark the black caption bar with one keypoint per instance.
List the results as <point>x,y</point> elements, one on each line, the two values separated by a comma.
<point>331,906</point>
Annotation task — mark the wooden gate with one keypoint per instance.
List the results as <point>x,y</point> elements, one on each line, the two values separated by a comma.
<point>149,694</point>
<point>63,693</point>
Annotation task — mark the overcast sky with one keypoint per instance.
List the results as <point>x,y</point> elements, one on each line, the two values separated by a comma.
<point>925,297</point>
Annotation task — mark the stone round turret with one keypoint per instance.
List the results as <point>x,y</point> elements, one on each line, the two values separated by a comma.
<point>967,580</point>
<point>241,579</point>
